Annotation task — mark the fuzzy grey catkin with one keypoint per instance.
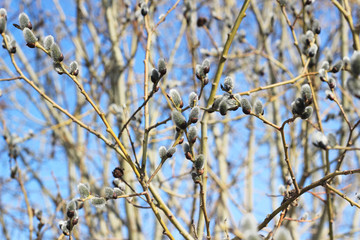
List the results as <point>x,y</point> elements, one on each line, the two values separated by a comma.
<point>258,107</point>
<point>162,152</point>
<point>176,98</point>
<point>3,12</point>
<point>193,99</point>
<point>83,190</point>
<point>246,106</point>
<point>353,85</point>
<point>194,114</point>
<point>24,21</point>
<point>306,94</point>
<point>312,50</point>
<point>122,186</point>
<point>337,66</point>
<point>58,68</point>
<point>223,107</point>
<point>298,106</point>
<point>206,65</point>
<point>331,140</point>
<point>179,119</point>
<point>322,74</point>
<point>319,140</point>
<point>316,27</point>
<point>232,104</point>
<point>332,83</point>
<point>170,152</point>
<point>98,202</point>
<point>109,193</point>
<point>195,177</point>
<point>186,147</point>
<point>325,65</point>
<point>3,20</point>
<point>116,182</point>
<point>117,192</point>
<point>162,66</point>
<point>74,68</point>
<point>217,102</point>
<point>155,76</point>
<point>71,205</point>
<point>355,63</point>
<point>199,162</point>
<point>307,112</point>
<point>309,37</point>
<point>199,72</point>
<point>7,39</point>
<point>55,53</point>
<point>329,95</point>
<point>48,41</point>
<point>192,134</point>
<point>228,84</point>
<point>29,36</point>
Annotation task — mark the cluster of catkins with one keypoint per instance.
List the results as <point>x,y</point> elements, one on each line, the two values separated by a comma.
<point>231,102</point>
<point>184,126</point>
<point>72,208</point>
<point>50,46</point>
<point>74,205</point>
<point>202,70</point>
<point>322,141</point>
<point>309,46</point>
<point>188,126</point>
<point>323,74</point>
<point>301,106</point>
<point>178,118</point>
<point>350,64</point>
<point>158,73</point>
<point>11,43</point>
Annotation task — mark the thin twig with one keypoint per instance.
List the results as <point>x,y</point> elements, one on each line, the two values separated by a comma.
<point>203,207</point>
<point>352,203</point>
<point>10,79</point>
<point>28,207</point>
<point>304,190</point>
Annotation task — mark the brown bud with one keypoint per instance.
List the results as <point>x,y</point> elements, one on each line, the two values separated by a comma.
<point>31,45</point>
<point>76,72</point>
<point>118,172</point>
<point>75,221</point>
<point>61,58</point>
<point>201,21</point>
<point>70,213</point>
<point>194,120</point>
<point>206,81</point>
<point>188,155</point>
<point>200,171</point>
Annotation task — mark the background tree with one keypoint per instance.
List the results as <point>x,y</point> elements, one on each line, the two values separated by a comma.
<point>180,119</point>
